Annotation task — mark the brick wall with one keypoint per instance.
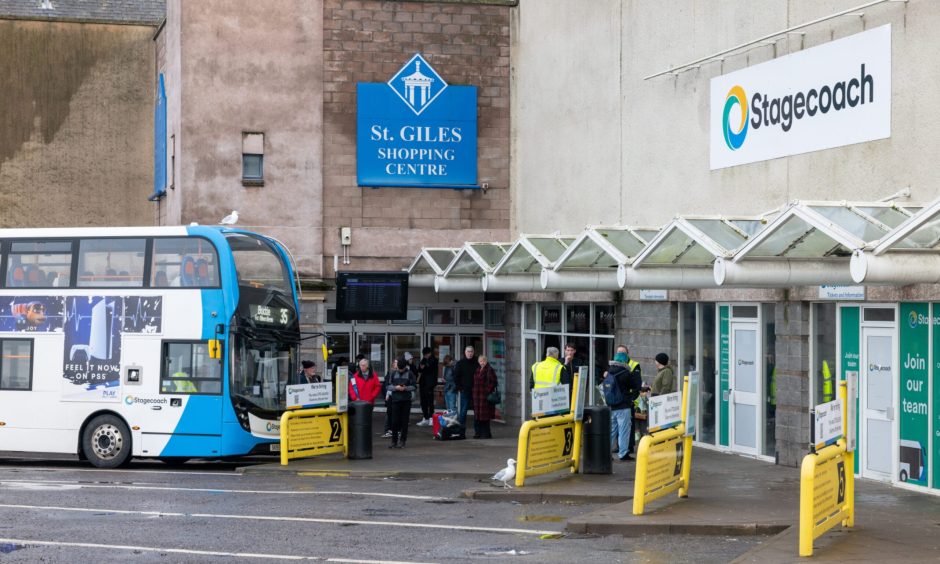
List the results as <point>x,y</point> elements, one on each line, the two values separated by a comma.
<point>792,356</point>
<point>369,41</point>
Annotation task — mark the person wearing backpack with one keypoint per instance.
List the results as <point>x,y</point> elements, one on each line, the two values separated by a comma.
<point>621,385</point>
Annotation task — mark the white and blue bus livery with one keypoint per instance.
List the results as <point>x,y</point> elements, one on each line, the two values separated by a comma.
<point>165,342</point>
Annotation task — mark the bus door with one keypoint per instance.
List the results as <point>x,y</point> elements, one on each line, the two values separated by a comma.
<point>181,413</point>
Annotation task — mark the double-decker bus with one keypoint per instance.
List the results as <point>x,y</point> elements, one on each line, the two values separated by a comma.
<point>164,342</point>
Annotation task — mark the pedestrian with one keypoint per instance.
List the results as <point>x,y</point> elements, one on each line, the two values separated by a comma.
<point>550,372</point>
<point>572,362</point>
<point>464,370</point>
<point>641,412</point>
<point>427,382</point>
<point>308,373</point>
<point>450,386</point>
<point>484,383</point>
<point>665,381</point>
<point>393,371</point>
<point>627,378</point>
<point>364,384</point>
<point>400,392</point>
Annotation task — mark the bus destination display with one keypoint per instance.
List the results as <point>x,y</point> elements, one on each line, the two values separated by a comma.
<point>269,315</point>
<point>371,295</point>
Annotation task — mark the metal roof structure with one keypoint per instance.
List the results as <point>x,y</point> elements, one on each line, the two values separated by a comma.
<point>805,243</point>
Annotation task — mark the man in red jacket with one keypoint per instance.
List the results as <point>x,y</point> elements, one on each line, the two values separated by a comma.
<point>364,384</point>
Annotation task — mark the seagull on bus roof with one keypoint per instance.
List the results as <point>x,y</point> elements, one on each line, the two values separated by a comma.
<point>230,219</point>
<point>506,474</point>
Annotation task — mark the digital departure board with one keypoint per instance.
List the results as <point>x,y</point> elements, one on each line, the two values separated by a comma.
<point>371,295</point>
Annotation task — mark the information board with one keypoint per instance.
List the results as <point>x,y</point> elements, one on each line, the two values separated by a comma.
<point>342,388</point>
<point>550,401</point>
<point>581,394</point>
<point>665,411</point>
<point>371,295</point>
<point>309,395</point>
<point>316,434</point>
<point>664,464</point>
<point>551,445</point>
<point>827,424</point>
<point>691,404</point>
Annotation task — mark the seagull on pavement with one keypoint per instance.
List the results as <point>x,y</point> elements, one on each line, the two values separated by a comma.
<point>506,474</point>
<point>230,219</point>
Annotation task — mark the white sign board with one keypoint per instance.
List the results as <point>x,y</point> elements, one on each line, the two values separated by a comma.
<point>654,295</point>
<point>691,405</point>
<point>851,382</point>
<point>342,388</point>
<point>665,411</point>
<point>309,395</point>
<point>827,423</point>
<point>836,94</point>
<point>582,393</point>
<point>841,292</point>
<point>553,400</point>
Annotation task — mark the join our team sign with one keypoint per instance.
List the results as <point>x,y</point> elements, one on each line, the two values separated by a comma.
<point>416,130</point>
<point>828,96</point>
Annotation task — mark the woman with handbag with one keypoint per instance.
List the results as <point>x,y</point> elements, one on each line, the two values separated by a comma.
<point>485,398</point>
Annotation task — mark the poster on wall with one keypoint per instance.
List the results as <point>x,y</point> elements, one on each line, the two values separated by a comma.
<point>496,354</point>
<point>850,351</point>
<point>935,415</point>
<point>914,423</point>
<point>93,327</point>
<point>23,314</point>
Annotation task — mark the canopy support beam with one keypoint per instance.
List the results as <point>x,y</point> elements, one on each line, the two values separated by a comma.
<point>781,273</point>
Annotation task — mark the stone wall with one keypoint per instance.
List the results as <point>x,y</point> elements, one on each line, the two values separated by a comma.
<point>792,330</point>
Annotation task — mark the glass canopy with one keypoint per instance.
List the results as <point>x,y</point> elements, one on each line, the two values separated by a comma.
<point>603,247</point>
<point>432,261</point>
<point>476,259</point>
<point>531,253</point>
<point>696,241</point>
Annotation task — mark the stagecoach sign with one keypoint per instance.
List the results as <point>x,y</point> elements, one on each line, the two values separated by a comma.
<point>416,130</point>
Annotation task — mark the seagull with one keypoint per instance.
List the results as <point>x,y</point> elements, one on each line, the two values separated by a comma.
<point>506,474</point>
<point>230,219</point>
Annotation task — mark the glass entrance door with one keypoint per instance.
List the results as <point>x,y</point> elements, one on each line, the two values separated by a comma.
<point>745,394</point>
<point>879,377</point>
<point>529,356</point>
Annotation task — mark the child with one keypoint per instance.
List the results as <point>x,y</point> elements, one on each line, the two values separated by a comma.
<point>640,412</point>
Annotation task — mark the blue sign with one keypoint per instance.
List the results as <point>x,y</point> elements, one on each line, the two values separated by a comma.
<point>416,131</point>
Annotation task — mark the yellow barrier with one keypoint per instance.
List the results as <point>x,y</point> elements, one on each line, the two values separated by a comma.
<point>827,487</point>
<point>312,432</point>
<point>663,462</point>
<point>549,444</point>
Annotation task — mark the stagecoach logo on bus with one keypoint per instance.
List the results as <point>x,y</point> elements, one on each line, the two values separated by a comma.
<point>828,96</point>
<point>93,327</point>
<point>416,130</point>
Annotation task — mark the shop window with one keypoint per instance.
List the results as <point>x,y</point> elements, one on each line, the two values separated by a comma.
<point>184,262</point>
<point>414,317</point>
<point>604,317</point>
<point>687,344</point>
<point>496,316</point>
<point>16,363</point>
<point>35,264</point>
<point>440,317</point>
<point>770,380</point>
<point>188,369</point>
<point>111,263</point>
<point>744,312</point>
<point>709,374</point>
<point>529,316</point>
<point>471,317</point>
<point>883,314</point>
<point>578,319</point>
<point>825,384</point>
<point>551,318</point>
<point>339,354</point>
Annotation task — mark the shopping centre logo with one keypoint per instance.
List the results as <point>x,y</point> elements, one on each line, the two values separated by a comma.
<point>736,97</point>
<point>417,84</point>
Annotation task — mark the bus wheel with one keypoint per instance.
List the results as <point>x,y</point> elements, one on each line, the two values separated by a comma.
<point>903,475</point>
<point>107,442</point>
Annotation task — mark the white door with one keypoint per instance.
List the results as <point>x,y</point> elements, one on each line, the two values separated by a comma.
<point>878,382</point>
<point>745,408</point>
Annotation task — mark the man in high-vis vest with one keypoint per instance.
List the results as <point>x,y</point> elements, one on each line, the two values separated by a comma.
<point>550,372</point>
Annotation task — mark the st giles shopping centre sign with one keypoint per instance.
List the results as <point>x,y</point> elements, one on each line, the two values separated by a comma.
<point>828,96</point>
<point>416,130</point>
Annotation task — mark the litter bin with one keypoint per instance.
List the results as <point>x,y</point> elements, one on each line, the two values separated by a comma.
<point>359,417</point>
<point>596,454</point>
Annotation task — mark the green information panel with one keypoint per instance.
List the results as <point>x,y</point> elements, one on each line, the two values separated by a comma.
<point>914,393</point>
<point>724,371</point>
<point>850,330</point>
<point>936,393</point>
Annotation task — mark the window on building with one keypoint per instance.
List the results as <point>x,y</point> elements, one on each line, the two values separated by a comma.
<point>111,263</point>
<point>188,369</point>
<point>471,317</point>
<point>39,264</point>
<point>16,363</point>
<point>253,159</point>
<point>440,317</point>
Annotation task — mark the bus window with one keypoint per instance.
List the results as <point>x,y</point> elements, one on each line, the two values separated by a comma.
<point>15,364</point>
<point>257,264</point>
<point>111,263</point>
<point>34,264</point>
<point>184,262</point>
<point>188,369</point>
